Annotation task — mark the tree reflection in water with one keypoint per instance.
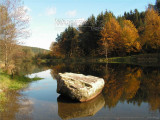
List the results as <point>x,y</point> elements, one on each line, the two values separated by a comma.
<point>123,83</point>
<point>134,84</point>
<point>16,108</point>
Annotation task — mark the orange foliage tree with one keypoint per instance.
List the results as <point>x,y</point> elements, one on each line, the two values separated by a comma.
<point>110,36</point>
<point>129,37</point>
<point>56,50</point>
<point>151,36</point>
<point>118,38</point>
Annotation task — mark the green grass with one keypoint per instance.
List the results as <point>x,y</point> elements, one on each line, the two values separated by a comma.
<point>18,82</point>
<point>3,99</point>
<point>8,84</point>
<point>152,59</point>
<point>128,59</point>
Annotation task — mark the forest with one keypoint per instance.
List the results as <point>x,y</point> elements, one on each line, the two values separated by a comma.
<point>106,35</point>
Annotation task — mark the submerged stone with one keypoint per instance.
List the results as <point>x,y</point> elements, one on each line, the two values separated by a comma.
<point>78,86</point>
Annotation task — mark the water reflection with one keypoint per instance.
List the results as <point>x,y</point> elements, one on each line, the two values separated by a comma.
<point>124,83</point>
<point>26,68</point>
<point>68,109</point>
<point>130,92</point>
<point>149,89</point>
<point>16,107</point>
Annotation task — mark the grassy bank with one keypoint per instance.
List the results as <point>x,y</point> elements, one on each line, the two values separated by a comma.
<point>142,59</point>
<point>8,84</point>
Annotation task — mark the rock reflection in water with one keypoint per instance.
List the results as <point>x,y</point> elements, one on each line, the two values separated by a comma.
<point>68,109</point>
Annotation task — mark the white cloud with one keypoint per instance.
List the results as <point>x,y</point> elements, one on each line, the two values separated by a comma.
<point>71,13</point>
<point>51,11</point>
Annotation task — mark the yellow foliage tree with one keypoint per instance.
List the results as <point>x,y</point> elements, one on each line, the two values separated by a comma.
<point>119,39</point>
<point>151,35</point>
<point>111,34</point>
<point>130,36</point>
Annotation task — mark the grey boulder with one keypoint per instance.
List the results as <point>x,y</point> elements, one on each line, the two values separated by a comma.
<point>78,86</point>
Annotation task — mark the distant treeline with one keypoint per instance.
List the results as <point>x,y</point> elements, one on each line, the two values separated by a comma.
<point>106,35</point>
<point>36,50</point>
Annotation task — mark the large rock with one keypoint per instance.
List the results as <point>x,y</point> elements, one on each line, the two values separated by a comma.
<point>79,87</point>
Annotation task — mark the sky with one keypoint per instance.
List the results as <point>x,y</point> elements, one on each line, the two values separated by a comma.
<point>50,17</point>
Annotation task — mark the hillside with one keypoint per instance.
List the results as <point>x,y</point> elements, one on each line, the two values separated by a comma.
<point>36,50</point>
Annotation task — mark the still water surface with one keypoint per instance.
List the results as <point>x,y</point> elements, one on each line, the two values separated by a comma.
<point>130,93</point>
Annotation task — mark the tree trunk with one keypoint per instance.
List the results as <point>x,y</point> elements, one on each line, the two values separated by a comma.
<point>106,53</point>
<point>6,57</point>
<point>106,49</point>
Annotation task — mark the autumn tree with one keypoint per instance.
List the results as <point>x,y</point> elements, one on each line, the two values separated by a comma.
<point>129,37</point>
<point>119,39</point>
<point>13,27</point>
<point>111,34</point>
<point>18,14</point>
<point>90,34</point>
<point>151,36</point>
<point>7,30</point>
<point>56,50</point>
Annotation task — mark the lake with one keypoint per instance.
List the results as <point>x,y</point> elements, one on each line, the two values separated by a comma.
<point>131,92</point>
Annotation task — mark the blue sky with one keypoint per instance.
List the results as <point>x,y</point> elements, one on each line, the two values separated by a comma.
<point>46,15</point>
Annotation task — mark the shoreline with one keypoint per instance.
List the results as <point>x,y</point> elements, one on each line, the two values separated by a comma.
<point>9,84</point>
<point>152,59</point>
